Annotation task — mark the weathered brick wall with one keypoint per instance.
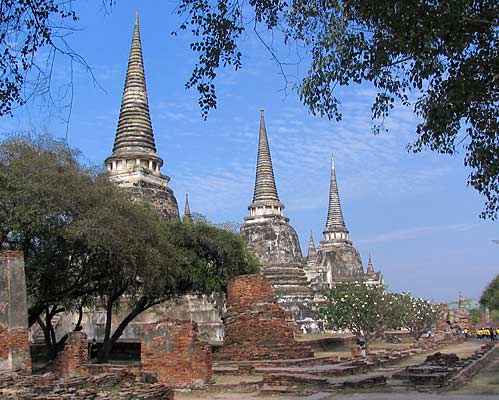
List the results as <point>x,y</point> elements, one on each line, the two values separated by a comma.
<point>246,291</point>
<point>4,344</point>
<point>14,334</point>
<point>255,326</point>
<point>172,351</point>
<point>72,359</point>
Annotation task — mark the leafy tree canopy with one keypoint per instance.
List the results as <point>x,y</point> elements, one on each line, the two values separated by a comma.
<point>439,57</point>
<point>86,243</point>
<point>443,54</point>
<point>43,190</point>
<point>490,296</point>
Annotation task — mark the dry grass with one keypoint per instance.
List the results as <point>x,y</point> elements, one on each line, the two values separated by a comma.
<point>486,381</point>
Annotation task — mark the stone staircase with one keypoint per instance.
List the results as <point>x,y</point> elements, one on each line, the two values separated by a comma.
<point>293,293</point>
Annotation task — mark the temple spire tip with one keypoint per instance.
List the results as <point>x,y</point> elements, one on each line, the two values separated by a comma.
<point>187,210</point>
<point>265,197</point>
<point>335,221</point>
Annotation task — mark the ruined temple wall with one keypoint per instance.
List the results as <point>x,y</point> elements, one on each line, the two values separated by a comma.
<point>198,308</point>
<point>272,240</point>
<point>341,261</point>
<point>14,334</point>
<point>256,327</point>
<point>172,351</point>
<point>73,359</point>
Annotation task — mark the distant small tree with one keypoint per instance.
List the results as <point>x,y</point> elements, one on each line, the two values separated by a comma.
<point>490,296</point>
<point>358,307</point>
<point>417,315</point>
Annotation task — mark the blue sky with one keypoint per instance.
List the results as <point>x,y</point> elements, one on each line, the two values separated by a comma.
<point>413,212</point>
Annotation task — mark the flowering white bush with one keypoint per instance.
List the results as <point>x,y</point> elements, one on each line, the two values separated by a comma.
<point>363,309</point>
<point>417,315</point>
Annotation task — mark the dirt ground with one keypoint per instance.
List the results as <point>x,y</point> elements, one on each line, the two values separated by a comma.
<point>484,385</point>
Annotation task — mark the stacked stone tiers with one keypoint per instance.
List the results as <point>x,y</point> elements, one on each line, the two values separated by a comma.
<point>292,291</point>
<point>134,134</point>
<point>265,197</point>
<point>134,164</point>
<point>256,328</point>
<point>275,244</point>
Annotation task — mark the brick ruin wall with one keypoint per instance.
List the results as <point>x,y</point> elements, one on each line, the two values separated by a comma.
<point>173,353</point>
<point>452,321</point>
<point>72,360</point>
<point>14,334</point>
<point>255,326</point>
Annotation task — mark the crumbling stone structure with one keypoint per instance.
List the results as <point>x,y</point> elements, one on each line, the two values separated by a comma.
<point>72,360</point>
<point>274,241</point>
<point>255,326</point>
<point>134,164</point>
<point>172,352</point>
<point>14,334</point>
<point>336,259</point>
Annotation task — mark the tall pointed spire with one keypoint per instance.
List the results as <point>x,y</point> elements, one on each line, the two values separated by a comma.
<point>370,266</point>
<point>265,197</point>
<point>134,132</point>
<point>187,210</point>
<point>265,188</point>
<point>134,163</point>
<point>335,224</point>
<point>312,252</point>
<point>134,146</point>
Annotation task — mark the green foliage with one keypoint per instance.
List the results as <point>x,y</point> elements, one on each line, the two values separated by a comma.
<point>490,296</point>
<point>86,243</point>
<point>43,189</point>
<point>475,316</point>
<point>416,315</point>
<point>361,308</point>
<point>443,54</point>
<point>211,257</point>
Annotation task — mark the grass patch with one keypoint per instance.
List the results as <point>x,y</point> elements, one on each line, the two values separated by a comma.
<point>485,381</point>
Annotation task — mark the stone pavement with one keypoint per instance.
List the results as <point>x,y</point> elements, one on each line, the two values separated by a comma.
<point>329,396</point>
<point>405,396</point>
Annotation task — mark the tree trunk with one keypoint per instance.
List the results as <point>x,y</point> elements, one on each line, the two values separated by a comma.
<point>78,326</point>
<point>34,313</point>
<point>107,345</point>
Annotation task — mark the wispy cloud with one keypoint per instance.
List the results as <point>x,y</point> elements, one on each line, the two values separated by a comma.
<point>411,233</point>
